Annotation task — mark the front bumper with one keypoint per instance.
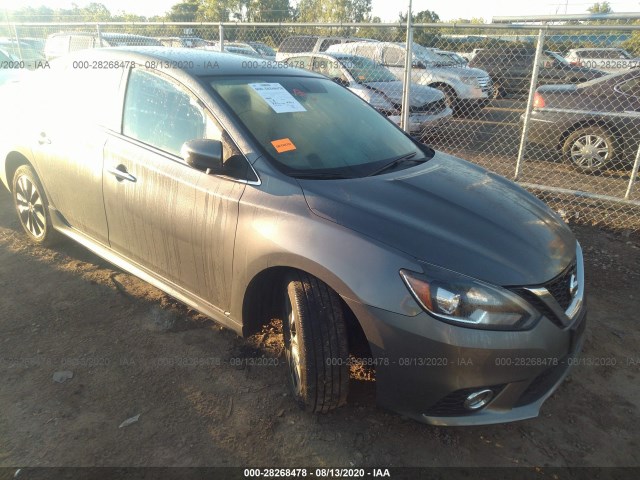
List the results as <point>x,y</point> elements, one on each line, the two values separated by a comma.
<point>425,368</point>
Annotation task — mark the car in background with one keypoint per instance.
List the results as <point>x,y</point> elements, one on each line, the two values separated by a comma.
<point>237,48</point>
<point>185,42</point>
<point>511,69</point>
<point>253,194</point>
<point>309,44</point>
<point>596,125</point>
<point>11,68</point>
<point>28,57</point>
<point>466,90</point>
<point>380,88</point>
<point>457,59</point>
<point>264,50</point>
<point>610,60</point>
<point>59,44</point>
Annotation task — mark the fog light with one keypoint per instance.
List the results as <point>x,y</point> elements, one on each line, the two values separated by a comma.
<point>478,399</point>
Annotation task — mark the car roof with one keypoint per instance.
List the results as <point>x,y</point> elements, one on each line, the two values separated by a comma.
<point>196,62</point>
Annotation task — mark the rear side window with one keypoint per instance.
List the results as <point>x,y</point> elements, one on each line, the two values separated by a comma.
<point>393,56</point>
<point>366,51</point>
<point>298,44</point>
<point>327,43</point>
<point>161,114</point>
<point>80,42</point>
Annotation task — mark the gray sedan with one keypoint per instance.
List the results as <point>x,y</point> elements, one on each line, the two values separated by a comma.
<point>259,193</point>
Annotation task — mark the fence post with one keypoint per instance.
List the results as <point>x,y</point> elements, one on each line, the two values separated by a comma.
<point>406,88</point>
<point>527,113</point>
<point>634,174</point>
<point>99,34</point>
<point>221,30</point>
<point>15,34</point>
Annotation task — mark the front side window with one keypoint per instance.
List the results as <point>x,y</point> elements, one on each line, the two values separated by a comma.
<point>312,126</point>
<point>160,113</point>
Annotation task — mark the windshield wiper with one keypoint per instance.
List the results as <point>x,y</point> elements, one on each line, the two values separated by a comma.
<point>319,175</point>
<point>397,161</point>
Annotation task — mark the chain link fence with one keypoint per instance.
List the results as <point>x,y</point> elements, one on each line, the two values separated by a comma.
<point>554,107</point>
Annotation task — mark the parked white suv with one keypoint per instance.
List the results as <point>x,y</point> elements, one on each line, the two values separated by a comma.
<point>606,59</point>
<point>466,89</point>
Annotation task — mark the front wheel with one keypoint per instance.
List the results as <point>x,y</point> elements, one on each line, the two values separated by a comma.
<point>32,207</point>
<point>316,348</point>
<point>589,149</point>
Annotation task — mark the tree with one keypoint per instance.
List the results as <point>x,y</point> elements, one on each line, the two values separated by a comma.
<point>600,7</point>
<point>185,11</point>
<point>221,10</point>
<point>423,36</point>
<point>268,10</point>
<point>346,11</point>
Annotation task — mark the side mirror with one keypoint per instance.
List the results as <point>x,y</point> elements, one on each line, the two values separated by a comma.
<point>341,81</point>
<point>203,154</point>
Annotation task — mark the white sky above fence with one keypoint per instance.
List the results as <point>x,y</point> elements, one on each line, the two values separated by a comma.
<point>387,10</point>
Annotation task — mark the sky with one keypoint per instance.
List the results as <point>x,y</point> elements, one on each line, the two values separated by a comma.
<point>387,10</point>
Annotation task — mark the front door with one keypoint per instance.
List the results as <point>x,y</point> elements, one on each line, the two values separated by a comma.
<point>176,221</point>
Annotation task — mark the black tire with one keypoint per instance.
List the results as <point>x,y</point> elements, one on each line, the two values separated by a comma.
<point>450,97</point>
<point>498,91</point>
<point>590,149</point>
<point>316,346</point>
<point>32,206</point>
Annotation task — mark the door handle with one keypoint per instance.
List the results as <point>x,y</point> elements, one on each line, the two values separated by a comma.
<point>120,172</point>
<point>43,139</point>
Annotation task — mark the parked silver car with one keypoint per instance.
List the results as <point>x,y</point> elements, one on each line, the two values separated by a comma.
<point>610,60</point>
<point>466,89</point>
<point>377,85</point>
<point>270,192</point>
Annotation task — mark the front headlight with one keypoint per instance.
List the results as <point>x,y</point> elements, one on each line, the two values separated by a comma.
<point>467,302</point>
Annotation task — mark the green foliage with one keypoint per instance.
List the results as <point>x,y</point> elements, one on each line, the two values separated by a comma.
<point>600,7</point>
<point>333,11</point>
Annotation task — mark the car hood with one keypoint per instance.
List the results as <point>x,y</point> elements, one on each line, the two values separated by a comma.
<point>420,94</point>
<point>453,214</point>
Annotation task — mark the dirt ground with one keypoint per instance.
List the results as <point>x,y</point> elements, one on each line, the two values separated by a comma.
<point>206,397</point>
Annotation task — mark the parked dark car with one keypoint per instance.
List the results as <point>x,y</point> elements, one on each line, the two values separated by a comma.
<point>270,192</point>
<point>595,124</point>
<point>511,69</point>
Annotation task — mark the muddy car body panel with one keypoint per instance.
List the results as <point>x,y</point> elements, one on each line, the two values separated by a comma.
<point>222,239</point>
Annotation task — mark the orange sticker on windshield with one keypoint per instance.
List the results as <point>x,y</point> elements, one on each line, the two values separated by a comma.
<point>283,145</point>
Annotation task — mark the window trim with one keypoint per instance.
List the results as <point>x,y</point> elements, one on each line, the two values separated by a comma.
<point>168,155</point>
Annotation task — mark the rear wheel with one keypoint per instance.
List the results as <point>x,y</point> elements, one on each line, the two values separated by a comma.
<point>316,348</point>
<point>32,207</point>
<point>590,149</point>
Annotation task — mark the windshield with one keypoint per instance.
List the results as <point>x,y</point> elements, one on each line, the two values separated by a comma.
<point>313,125</point>
<point>557,57</point>
<point>365,70</point>
<point>264,49</point>
<point>429,57</point>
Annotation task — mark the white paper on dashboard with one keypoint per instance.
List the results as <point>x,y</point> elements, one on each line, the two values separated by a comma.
<point>277,97</point>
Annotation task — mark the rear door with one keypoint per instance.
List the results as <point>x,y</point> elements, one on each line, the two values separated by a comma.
<point>165,216</point>
<point>79,110</point>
